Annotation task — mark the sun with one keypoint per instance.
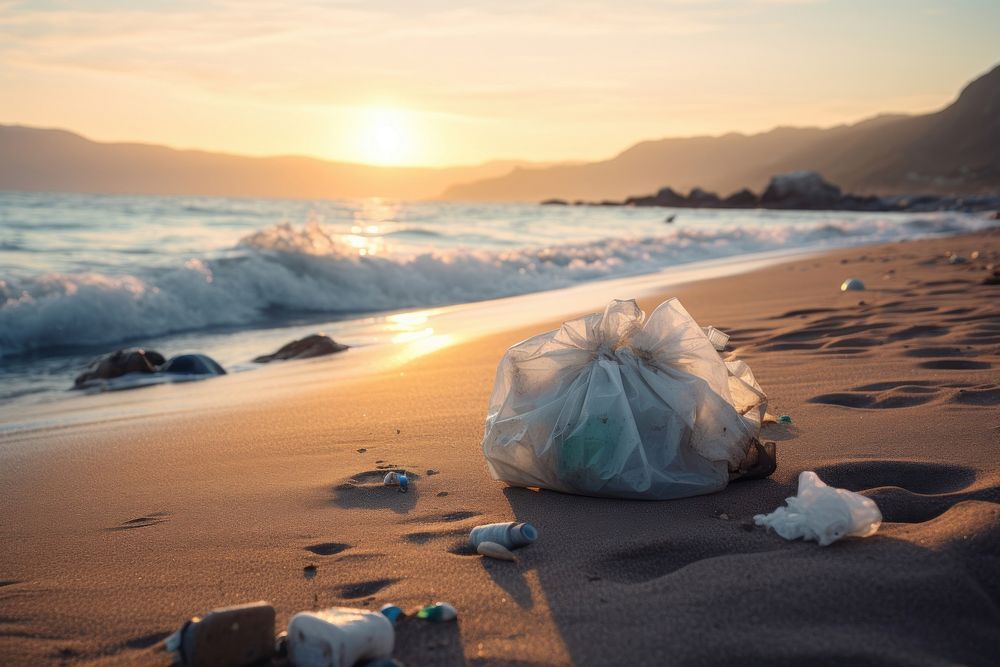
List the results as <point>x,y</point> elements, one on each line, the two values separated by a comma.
<point>386,137</point>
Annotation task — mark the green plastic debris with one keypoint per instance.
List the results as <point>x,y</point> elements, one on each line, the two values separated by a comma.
<point>440,611</point>
<point>784,419</point>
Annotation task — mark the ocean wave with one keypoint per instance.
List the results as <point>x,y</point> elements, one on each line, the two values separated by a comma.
<point>415,231</point>
<point>291,269</point>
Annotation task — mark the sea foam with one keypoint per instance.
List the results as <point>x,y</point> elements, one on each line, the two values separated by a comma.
<point>284,270</point>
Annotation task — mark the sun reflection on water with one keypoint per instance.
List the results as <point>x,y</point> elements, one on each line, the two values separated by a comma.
<point>413,337</point>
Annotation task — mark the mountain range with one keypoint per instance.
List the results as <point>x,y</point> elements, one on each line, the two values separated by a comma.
<point>952,151</point>
<point>48,160</point>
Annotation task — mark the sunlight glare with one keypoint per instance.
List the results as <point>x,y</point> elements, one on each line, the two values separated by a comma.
<point>386,138</point>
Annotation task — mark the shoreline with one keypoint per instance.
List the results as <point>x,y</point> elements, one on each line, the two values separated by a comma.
<point>116,532</point>
<point>405,334</point>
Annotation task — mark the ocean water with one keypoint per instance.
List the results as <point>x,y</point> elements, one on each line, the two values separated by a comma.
<point>82,275</point>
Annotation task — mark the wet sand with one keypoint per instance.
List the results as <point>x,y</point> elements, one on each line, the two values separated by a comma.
<point>113,533</point>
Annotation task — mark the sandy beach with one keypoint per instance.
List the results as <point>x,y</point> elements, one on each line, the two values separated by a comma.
<point>113,533</point>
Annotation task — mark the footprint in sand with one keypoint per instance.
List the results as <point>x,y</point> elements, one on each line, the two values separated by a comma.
<point>912,491</point>
<point>327,548</point>
<point>985,395</point>
<point>425,536</point>
<point>448,517</point>
<point>924,352</point>
<point>890,395</point>
<point>955,365</point>
<point>459,537</point>
<point>366,489</point>
<point>142,521</point>
<point>363,589</point>
<point>640,563</point>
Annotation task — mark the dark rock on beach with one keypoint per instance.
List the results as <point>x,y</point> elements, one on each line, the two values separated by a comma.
<point>146,362</point>
<point>193,364</point>
<point>315,345</point>
<point>121,362</point>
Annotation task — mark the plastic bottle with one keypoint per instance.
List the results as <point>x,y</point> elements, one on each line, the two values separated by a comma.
<point>226,637</point>
<point>509,534</point>
<point>338,637</point>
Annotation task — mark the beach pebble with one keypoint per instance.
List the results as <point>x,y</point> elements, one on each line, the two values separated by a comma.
<point>494,550</point>
<point>852,285</point>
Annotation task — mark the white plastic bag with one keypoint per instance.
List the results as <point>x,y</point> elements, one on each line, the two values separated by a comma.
<point>610,405</point>
<point>822,513</point>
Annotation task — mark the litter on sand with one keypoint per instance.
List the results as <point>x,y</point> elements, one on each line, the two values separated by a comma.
<point>338,637</point>
<point>852,285</point>
<point>226,637</point>
<point>618,405</point>
<point>822,513</point>
<point>510,534</point>
<point>392,612</point>
<point>497,551</point>
<point>243,635</point>
<point>395,478</point>
<point>439,612</point>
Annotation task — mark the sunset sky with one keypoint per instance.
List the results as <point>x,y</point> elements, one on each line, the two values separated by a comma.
<point>440,83</point>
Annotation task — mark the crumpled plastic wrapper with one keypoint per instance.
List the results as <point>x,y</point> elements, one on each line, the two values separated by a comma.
<point>824,514</point>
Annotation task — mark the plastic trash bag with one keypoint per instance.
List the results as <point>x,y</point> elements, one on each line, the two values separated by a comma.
<point>822,513</point>
<point>617,405</point>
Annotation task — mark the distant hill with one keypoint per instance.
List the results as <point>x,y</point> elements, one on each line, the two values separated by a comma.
<point>953,151</point>
<point>36,159</point>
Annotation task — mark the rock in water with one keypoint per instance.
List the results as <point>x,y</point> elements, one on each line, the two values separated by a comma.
<point>118,363</point>
<point>315,345</point>
<point>193,364</point>
<point>800,190</point>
